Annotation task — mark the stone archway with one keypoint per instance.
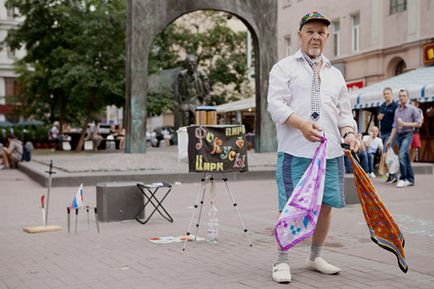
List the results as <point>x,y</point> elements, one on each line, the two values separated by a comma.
<point>395,66</point>
<point>147,18</point>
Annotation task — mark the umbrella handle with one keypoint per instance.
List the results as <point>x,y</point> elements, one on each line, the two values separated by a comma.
<point>355,156</point>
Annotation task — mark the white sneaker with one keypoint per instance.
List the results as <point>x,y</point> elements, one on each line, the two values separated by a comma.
<point>408,183</point>
<point>281,273</point>
<point>321,265</point>
<point>372,175</point>
<point>401,184</point>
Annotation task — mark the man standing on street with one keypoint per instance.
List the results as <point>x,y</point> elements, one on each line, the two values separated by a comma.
<point>407,118</point>
<point>307,98</point>
<point>386,116</point>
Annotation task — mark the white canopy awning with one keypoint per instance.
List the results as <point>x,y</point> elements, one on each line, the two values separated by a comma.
<point>419,83</point>
<point>238,105</point>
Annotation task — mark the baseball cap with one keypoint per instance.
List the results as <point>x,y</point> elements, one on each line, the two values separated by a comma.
<point>314,16</point>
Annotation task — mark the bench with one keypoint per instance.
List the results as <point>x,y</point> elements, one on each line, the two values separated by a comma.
<point>350,190</point>
<point>117,201</point>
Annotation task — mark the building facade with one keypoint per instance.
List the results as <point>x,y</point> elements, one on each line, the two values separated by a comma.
<point>8,83</point>
<point>370,41</point>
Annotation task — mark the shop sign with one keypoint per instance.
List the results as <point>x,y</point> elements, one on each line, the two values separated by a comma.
<point>355,85</point>
<point>428,53</point>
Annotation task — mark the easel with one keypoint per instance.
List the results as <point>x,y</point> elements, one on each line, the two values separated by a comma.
<point>210,179</point>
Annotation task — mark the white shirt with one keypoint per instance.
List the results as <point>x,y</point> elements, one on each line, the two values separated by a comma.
<point>373,144</point>
<point>289,92</point>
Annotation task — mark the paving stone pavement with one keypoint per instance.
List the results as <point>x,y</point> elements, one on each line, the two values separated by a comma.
<point>122,257</point>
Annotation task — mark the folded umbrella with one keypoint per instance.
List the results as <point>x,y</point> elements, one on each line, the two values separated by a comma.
<point>383,229</point>
<point>300,214</point>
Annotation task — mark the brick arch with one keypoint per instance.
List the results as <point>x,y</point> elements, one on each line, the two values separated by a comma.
<point>147,18</point>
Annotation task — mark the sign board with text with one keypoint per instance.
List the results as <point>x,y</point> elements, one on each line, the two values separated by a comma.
<point>428,53</point>
<point>355,85</point>
<point>217,148</point>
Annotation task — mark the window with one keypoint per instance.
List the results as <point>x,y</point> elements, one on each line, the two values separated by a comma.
<point>10,13</point>
<point>10,52</point>
<point>400,68</point>
<point>288,50</point>
<point>11,87</point>
<point>336,35</point>
<point>397,6</point>
<point>356,32</point>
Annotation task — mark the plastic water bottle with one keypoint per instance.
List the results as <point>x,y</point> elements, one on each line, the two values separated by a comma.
<point>212,224</point>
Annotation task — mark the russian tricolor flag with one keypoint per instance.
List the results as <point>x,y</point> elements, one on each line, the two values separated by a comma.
<point>78,200</point>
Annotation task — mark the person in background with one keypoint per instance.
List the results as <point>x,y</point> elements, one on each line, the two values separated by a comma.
<point>13,154</point>
<point>54,134</point>
<point>407,118</point>
<point>307,99</point>
<point>121,137</point>
<point>363,154</point>
<point>386,117</point>
<point>415,143</point>
<point>373,145</point>
<point>92,134</point>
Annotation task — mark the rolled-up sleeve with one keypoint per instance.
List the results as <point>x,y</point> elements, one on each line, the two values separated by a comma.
<point>278,94</point>
<point>345,113</point>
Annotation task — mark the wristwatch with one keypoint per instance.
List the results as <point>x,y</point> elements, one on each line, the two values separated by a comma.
<point>347,133</point>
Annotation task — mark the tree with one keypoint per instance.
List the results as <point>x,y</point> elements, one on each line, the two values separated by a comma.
<point>221,52</point>
<point>75,61</point>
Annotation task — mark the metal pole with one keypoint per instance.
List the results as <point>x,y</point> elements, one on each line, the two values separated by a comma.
<point>68,211</point>
<point>76,217</point>
<point>49,172</point>
<point>96,218</point>
<point>87,211</point>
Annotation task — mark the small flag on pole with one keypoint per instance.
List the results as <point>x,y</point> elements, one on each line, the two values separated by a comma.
<point>43,209</point>
<point>78,200</point>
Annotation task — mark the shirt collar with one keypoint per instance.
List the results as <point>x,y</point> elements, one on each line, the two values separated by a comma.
<point>324,59</point>
<point>403,107</point>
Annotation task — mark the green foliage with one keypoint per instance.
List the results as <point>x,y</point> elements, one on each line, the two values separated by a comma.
<point>221,52</point>
<point>75,61</point>
<point>27,133</point>
<point>75,57</point>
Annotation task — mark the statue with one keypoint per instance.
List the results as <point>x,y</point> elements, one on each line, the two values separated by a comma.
<point>192,89</point>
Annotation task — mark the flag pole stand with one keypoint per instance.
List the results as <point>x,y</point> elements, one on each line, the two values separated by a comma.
<point>45,227</point>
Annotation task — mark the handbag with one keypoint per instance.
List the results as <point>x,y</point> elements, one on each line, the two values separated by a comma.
<point>392,161</point>
<point>382,167</point>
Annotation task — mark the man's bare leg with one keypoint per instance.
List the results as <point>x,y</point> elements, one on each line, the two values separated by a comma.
<point>322,228</point>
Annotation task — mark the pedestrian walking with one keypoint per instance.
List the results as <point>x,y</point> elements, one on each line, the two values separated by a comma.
<point>386,117</point>
<point>308,98</point>
<point>407,118</point>
<point>415,143</point>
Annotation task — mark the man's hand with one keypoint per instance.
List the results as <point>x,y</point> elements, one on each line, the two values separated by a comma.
<point>388,143</point>
<point>353,141</point>
<point>311,131</point>
<point>401,123</point>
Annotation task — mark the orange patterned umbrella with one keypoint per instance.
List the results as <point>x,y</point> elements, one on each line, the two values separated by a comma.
<point>383,229</point>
